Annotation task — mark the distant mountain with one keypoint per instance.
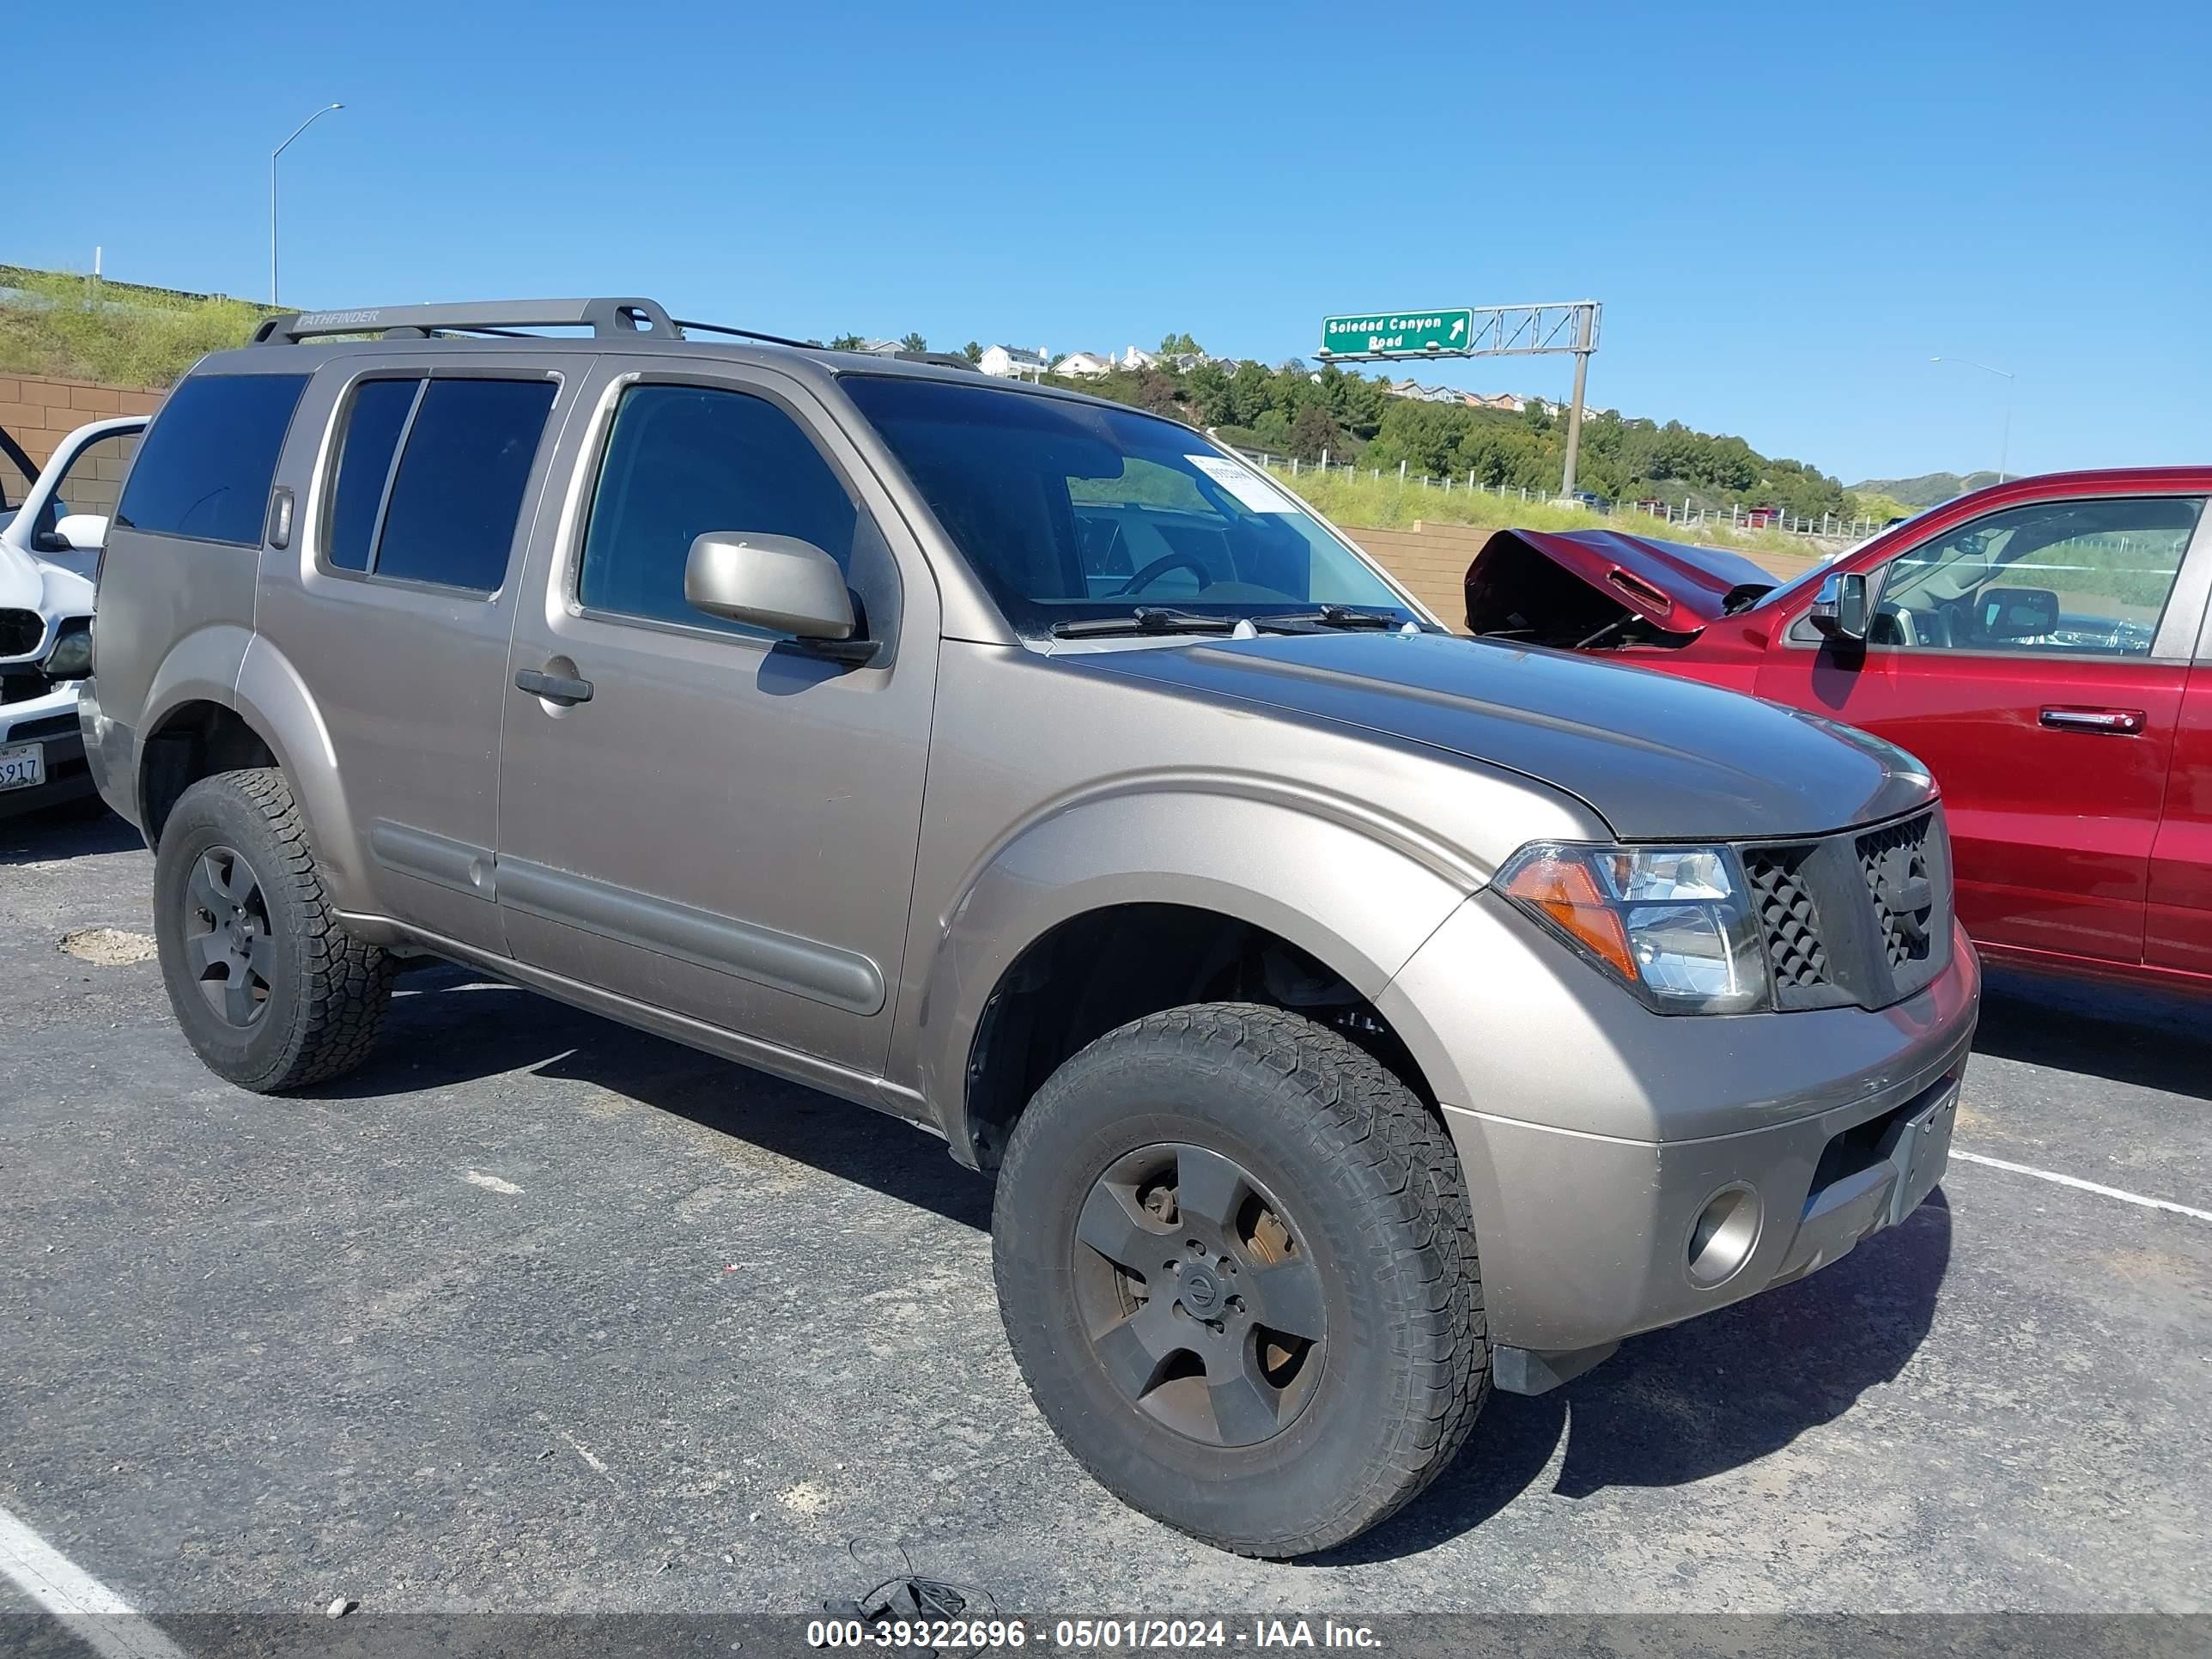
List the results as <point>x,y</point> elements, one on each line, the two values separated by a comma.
<point>1926,491</point>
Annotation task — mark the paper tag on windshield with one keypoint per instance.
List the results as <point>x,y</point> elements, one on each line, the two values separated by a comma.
<point>1242,481</point>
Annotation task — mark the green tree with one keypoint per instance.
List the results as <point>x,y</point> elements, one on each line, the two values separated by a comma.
<point>1208,390</point>
<point>912,343</point>
<point>973,351</point>
<point>1425,436</point>
<point>1314,434</point>
<point>1173,345</point>
<point>846,342</point>
<point>1248,395</point>
<point>1156,392</point>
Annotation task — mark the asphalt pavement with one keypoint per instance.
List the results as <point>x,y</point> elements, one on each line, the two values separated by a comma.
<point>539,1314</point>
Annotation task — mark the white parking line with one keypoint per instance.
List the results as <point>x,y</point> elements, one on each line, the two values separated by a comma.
<point>2080,1185</point>
<point>87,1608</point>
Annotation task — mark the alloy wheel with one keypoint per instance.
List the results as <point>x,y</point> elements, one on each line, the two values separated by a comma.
<point>227,948</point>
<point>1203,1307</point>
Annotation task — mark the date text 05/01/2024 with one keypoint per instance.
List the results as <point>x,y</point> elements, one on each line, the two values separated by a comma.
<point>1086,1635</point>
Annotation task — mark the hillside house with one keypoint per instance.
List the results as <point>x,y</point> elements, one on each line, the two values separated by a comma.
<point>1007,362</point>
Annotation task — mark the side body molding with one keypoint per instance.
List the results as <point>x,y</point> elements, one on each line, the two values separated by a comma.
<point>1353,903</point>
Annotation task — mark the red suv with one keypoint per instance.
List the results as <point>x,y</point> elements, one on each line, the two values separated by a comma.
<point>2041,645</point>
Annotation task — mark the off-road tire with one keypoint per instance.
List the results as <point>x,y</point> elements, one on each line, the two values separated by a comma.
<point>326,989</point>
<point>1368,1178</point>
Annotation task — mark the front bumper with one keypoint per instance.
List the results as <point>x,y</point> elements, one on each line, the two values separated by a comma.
<point>50,722</point>
<point>1593,1135</point>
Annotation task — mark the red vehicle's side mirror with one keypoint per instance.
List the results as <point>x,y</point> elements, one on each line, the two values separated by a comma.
<point>1839,609</point>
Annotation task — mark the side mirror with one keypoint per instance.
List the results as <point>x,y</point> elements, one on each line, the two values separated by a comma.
<point>1839,609</point>
<point>779,583</point>
<point>83,532</point>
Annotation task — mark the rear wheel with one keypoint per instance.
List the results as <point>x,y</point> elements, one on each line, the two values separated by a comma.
<point>1234,1261</point>
<point>270,990</point>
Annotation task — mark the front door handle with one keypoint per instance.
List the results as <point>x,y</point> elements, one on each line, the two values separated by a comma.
<point>2114,722</point>
<point>554,688</point>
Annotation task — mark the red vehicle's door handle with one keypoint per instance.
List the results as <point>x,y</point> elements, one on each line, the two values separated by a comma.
<point>2116,722</point>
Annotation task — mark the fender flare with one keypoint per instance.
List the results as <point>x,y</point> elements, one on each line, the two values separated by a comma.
<point>1358,905</point>
<point>201,667</point>
<point>239,670</point>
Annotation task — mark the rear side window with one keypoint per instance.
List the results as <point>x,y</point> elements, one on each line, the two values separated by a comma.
<point>378,415</point>
<point>431,476</point>
<point>206,467</point>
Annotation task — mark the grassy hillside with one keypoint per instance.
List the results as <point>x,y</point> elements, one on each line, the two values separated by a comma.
<point>118,333</point>
<point>1926,490</point>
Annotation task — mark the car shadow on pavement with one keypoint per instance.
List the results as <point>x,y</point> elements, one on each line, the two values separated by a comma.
<point>70,830</point>
<point>1672,1407</point>
<point>1698,1399</point>
<point>2155,1039</point>
<point>449,1025</point>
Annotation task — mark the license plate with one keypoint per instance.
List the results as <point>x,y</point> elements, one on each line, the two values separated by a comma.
<point>1923,1152</point>
<point>23,767</point>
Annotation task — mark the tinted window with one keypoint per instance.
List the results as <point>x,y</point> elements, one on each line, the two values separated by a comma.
<point>684,460</point>
<point>2065,576</point>
<point>1069,510</point>
<point>373,427</point>
<point>458,491</point>
<point>206,467</point>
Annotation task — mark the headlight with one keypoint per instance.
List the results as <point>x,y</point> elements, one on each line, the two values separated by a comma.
<point>1673,923</point>
<point>71,656</point>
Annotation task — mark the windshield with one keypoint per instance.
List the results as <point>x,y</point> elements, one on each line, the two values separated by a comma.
<point>1072,511</point>
<point>1812,579</point>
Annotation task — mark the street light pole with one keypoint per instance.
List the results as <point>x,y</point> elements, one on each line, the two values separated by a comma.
<point>273,155</point>
<point>2004,444</point>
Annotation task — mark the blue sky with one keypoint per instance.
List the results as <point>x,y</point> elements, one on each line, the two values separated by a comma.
<point>1786,210</point>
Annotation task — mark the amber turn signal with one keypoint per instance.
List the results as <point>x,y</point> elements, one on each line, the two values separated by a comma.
<point>1564,891</point>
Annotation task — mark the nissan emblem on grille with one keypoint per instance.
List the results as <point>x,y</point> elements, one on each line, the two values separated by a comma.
<point>1895,864</point>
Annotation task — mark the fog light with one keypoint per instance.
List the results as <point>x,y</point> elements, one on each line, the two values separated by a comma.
<point>1722,1242</point>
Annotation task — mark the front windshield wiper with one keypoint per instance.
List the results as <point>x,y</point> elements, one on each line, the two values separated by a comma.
<point>1327,615</point>
<point>1142,619</point>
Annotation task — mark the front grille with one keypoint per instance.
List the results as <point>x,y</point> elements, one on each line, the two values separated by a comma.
<point>21,632</point>
<point>1862,917</point>
<point>1788,915</point>
<point>1894,861</point>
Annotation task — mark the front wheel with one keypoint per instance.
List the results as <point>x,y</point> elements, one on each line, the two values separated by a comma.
<point>1236,1265</point>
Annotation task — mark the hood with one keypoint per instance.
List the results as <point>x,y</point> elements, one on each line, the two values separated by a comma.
<point>1557,588</point>
<point>30,583</point>
<point>1657,756</point>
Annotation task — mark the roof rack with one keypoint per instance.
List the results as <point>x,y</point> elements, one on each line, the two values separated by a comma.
<point>604,317</point>
<point>513,319</point>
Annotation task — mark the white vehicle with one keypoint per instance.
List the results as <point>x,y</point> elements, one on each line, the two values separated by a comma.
<point>51,532</point>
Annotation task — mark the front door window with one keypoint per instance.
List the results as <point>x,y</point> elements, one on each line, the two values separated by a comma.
<point>2078,577</point>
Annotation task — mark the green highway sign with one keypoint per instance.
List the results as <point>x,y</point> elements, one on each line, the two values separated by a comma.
<point>1397,334</point>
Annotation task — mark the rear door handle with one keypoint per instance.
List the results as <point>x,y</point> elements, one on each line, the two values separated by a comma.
<point>554,688</point>
<point>2116,722</point>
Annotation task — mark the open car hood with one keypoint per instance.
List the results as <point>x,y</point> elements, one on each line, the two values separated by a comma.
<point>1561,587</point>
